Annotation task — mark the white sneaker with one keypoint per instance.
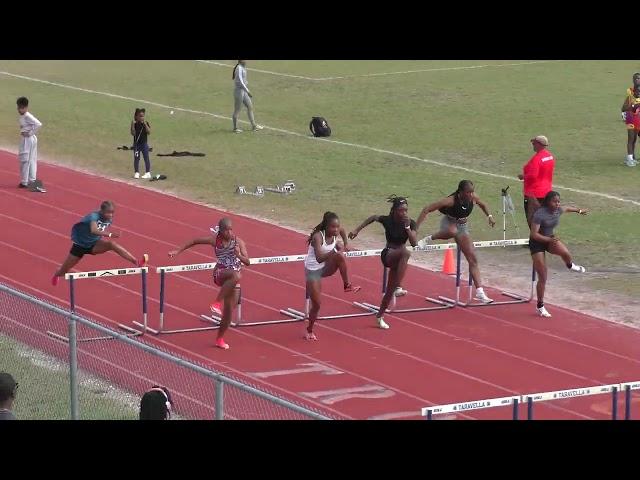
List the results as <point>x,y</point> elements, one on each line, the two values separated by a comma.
<point>543,312</point>
<point>381,323</point>
<point>147,175</point>
<point>424,242</point>
<point>578,268</point>
<point>136,175</point>
<point>630,163</point>
<point>237,130</point>
<point>257,127</point>
<point>399,292</point>
<point>480,295</point>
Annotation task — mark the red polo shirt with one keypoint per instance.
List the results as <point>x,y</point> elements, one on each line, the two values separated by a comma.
<point>538,174</point>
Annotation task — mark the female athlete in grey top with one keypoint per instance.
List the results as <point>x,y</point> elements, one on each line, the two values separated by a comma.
<point>456,209</point>
<point>542,239</point>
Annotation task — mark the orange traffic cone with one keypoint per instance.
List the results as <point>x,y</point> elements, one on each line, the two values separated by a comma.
<point>449,264</point>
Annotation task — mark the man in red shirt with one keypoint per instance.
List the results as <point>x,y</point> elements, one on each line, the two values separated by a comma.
<point>537,175</point>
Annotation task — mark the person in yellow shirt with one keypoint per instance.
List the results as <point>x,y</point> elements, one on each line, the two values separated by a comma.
<point>631,117</point>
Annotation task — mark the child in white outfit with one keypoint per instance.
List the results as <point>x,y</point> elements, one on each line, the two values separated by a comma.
<point>28,151</point>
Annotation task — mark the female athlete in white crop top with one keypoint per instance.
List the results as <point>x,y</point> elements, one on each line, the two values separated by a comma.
<point>322,260</point>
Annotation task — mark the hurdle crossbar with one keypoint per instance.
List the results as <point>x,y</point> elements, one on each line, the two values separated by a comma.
<point>532,398</point>
<point>212,319</point>
<point>517,298</point>
<point>114,272</point>
<point>466,406</point>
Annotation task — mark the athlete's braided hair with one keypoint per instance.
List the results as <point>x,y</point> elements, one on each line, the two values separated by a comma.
<point>327,218</point>
<point>462,186</point>
<point>395,202</point>
<point>233,75</point>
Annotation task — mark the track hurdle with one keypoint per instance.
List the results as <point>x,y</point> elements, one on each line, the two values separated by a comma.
<point>292,312</point>
<point>470,303</point>
<point>445,302</point>
<point>116,272</point>
<point>210,318</point>
<point>531,398</point>
<point>462,407</point>
<point>175,269</point>
<point>385,273</point>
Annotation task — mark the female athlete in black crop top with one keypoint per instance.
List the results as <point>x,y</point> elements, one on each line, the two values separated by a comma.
<point>398,228</point>
<point>456,209</point>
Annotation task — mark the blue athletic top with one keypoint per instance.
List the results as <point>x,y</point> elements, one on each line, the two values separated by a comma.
<point>81,231</point>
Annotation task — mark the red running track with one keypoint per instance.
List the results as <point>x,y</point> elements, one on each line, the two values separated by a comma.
<point>425,358</point>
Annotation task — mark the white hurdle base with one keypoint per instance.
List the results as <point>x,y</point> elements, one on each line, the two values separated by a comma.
<point>132,333</point>
<point>470,302</point>
<point>90,339</point>
<point>443,305</point>
<point>216,320</point>
<point>240,323</point>
<point>292,312</point>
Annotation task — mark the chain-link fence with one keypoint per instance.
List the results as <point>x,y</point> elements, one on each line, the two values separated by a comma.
<point>104,379</point>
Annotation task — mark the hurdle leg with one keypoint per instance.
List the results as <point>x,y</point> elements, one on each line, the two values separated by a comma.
<point>161,326</point>
<point>217,320</point>
<point>239,307</point>
<point>297,315</point>
<point>517,297</point>
<point>72,308</point>
<point>144,324</point>
<point>443,305</point>
<point>458,275</point>
<point>520,297</point>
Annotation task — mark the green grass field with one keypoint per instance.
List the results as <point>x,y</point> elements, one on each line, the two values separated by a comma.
<point>476,118</point>
<point>43,392</point>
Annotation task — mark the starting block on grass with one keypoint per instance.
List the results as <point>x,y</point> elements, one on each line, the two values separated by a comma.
<point>288,187</point>
<point>285,189</point>
<point>242,190</point>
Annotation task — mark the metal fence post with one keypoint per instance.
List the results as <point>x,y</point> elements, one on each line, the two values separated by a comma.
<point>73,367</point>
<point>219,386</point>
<point>72,341</point>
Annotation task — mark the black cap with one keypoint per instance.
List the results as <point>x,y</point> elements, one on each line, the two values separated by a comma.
<point>7,386</point>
